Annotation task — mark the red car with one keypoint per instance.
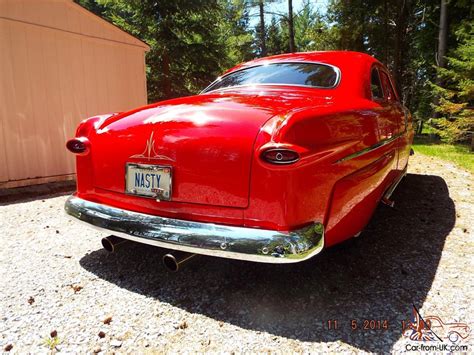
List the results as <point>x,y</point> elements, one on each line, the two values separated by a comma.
<point>276,159</point>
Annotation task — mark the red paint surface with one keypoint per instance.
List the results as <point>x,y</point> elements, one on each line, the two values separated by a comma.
<point>213,143</point>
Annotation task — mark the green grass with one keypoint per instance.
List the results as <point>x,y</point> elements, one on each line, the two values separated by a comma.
<point>458,154</point>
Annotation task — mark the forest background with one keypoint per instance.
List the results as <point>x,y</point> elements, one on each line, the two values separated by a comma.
<point>428,46</point>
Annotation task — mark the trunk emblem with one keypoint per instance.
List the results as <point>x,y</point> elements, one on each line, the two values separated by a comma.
<point>150,153</point>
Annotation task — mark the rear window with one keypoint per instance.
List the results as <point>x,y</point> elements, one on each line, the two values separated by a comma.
<point>307,74</point>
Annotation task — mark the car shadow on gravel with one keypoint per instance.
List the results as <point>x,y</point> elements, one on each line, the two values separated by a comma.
<point>377,276</point>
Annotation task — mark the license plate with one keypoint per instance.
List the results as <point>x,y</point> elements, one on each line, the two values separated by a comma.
<point>148,181</point>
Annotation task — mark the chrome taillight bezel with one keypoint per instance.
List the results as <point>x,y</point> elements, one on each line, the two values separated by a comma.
<point>282,152</point>
<point>82,142</point>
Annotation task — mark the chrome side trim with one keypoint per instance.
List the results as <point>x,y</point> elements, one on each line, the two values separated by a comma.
<point>336,70</point>
<point>370,149</point>
<point>241,243</point>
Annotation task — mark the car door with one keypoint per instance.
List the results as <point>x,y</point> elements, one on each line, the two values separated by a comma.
<point>387,118</point>
<point>399,115</point>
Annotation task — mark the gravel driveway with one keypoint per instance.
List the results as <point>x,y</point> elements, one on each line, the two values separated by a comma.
<point>55,278</point>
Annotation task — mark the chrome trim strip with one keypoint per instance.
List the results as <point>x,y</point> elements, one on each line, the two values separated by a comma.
<point>370,149</point>
<point>241,243</point>
<point>336,83</point>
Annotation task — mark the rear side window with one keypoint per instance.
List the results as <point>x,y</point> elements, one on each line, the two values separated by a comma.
<point>387,87</point>
<point>375,85</point>
<point>306,74</point>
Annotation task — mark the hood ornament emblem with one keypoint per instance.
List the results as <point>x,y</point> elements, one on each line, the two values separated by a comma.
<point>150,153</point>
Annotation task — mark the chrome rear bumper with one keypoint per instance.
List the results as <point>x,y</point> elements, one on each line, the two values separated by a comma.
<point>259,245</point>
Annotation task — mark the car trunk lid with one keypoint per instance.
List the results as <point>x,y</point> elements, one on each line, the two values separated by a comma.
<point>206,140</point>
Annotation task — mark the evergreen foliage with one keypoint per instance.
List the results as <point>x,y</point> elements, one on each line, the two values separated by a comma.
<point>192,42</point>
<point>456,103</point>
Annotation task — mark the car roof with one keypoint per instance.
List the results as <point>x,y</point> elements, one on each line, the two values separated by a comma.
<point>337,58</point>
<point>354,67</point>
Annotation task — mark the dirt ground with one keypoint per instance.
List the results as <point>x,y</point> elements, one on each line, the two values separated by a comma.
<point>56,278</point>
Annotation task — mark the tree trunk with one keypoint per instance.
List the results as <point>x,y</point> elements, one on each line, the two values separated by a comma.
<point>291,28</point>
<point>400,37</point>
<point>386,29</point>
<point>443,34</point>
<point>166,74</point>
<point>263,45</point>
<point>420,128</point>
<point>442,47</point>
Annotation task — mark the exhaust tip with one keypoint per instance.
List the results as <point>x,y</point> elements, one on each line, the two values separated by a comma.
<point>111,243</point>
<point>170,263</point>
<point>107,245</point>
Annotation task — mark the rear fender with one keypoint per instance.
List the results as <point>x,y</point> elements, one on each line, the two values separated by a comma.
<point>355,197</point>
<point>87,128</point>
<point>286,197</point>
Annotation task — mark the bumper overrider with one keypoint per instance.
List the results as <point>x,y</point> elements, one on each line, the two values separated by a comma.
<point>241,243</point>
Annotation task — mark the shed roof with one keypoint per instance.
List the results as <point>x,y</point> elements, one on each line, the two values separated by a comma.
<point>66,16</point>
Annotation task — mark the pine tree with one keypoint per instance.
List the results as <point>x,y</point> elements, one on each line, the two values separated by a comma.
<point>191,42</point>
<point>276,44</point>
<point>456,103</point>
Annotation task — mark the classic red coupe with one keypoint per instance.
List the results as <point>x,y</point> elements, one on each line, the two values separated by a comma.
<point>276,159</point>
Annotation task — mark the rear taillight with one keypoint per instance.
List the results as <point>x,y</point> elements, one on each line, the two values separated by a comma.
<point>280,156</point>
<point>80,145</point>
